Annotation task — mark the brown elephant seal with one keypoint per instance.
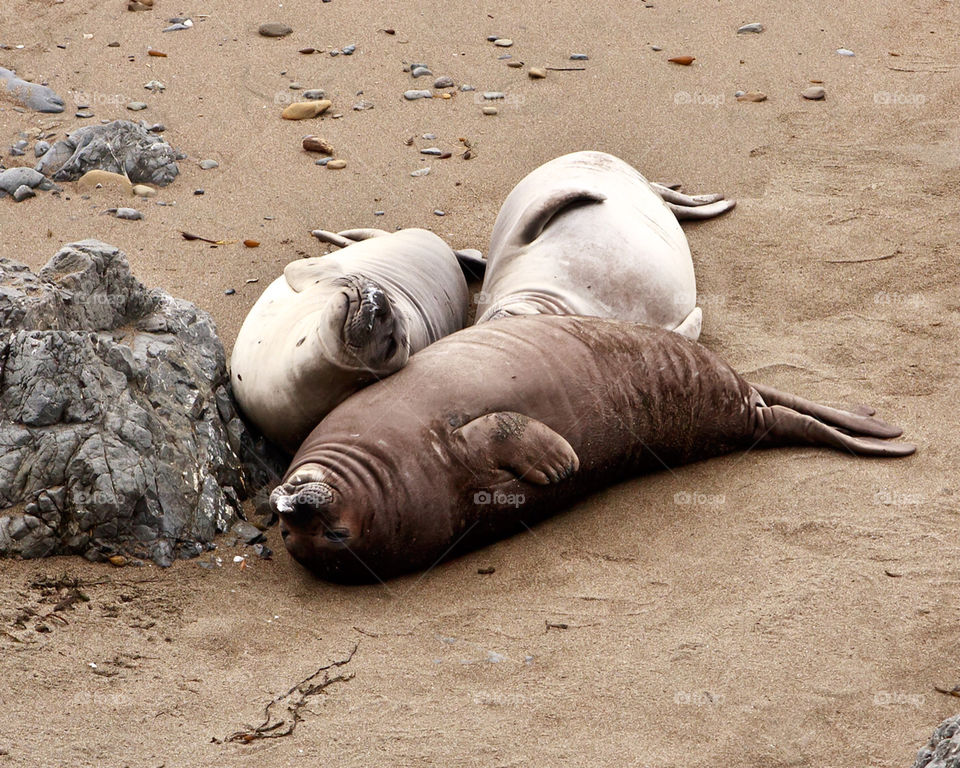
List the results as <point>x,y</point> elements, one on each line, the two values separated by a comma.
<point>505,423</point>
<point>587,234</point>
<point>332,324</point>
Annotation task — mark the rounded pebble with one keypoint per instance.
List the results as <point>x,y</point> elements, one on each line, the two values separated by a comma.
<point>100,179</point>
<point>515,64</point>
<point>438,212</point>
<point>136,106</point>
<point>23,192</point>
<point>420,72</point>
<point>444,81</point>
<point>414,95</point>
<point>274,29</point>
<point>490,110</point>
<point>503,42</point>
<point>845,52</point>
<point>349,49</point>
<point>755,27</point>
<point>467,88</point>
<point>578,57</point>
<point>142,190</point>
<point>295,87</point>
<point>316,144</point>
<point>814,93</point>
<point>209,165</point>
<point>431,151</point>
<point>314,94</point>
<point>229,292</point>
<point>420,171</point>
<point>40,148</point>
<point>198,191</point>
<point>323,160</point>
<point>536,73</point>
<point>491,95</point>
<point>336,165</point>
<point>756,96</point>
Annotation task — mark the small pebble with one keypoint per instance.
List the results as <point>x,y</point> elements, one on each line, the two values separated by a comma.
<point>114,44</point>
<point>578,57</point>
<point>491,95</point>
<point>655,48</point>
<point>492,38</point>
<point>813,93</point>
<point>153,52</point>
<point>379,213</point>
<point>444,81</point>
<point>198,191</point>
<point>536,73</point>
<point>323,161</point>
<point>274,29</point>
<point>155,86</point>
<point>295,87</point>
<point>304,110</point>
<point>17,152</point>
<point>515,64</point>
<point>431,151</point>
<point>428,136</point>
<point>420,71</point>
<point>40,148</point>
<point>414,95</point>
<point>23,192</point>
<point>845,52</point>
<point>467,88</point>
<point>438,212</point>
<point>316,144</point>
<point>503,42</point>
<point>756,27</point>
<point>349,49</point>
<point>136,106</point>
<point>336,165</point>
<point>752,96</point>
<point>314,94</point>
<point>142,190</point>
<point>335,52</point>
<point>187,24</point>
<point>209,165</point>
<point>308,50</point>
<point>360,106</point>
<point>229,292</point>
<point>684,61</point>
<point>420,171</point>
<point>490,110</point>
<point>131,214</point>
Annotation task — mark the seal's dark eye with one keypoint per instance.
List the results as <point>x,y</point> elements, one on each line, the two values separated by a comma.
<point>337,535</point>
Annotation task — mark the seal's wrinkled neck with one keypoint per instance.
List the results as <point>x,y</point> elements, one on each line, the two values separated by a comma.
<point>529,303</point>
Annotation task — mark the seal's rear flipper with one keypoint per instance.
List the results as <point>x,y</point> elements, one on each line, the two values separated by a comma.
<point>692,324</point>
<point>472,263</point>
<point>780,425</point>
<point>700,211</point>
<point>525,447</point>
<point>536,216</point>
<point>857,422</point>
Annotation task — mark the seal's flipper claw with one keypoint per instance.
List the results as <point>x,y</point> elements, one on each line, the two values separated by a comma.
<point>527,448</point>
<point>780,425</point>
<point>700,212</point>
<point>860,421</point>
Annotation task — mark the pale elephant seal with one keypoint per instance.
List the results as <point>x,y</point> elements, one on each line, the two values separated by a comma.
<point>332,324</point>
<point>508,422</point>
<point>37,97</point>
<point>587,234</point>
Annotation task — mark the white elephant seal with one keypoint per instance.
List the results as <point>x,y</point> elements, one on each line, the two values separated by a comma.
<point>333,324</point>
<point>587,234</point>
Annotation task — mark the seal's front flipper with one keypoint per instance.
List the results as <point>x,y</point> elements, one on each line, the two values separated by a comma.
<point>691,325</point>
<point>700,211</point>
<point>669,194</point>
<point>525,447</point>
<point>537,215</point>
<point>780,425</point>
<point>472,263</point>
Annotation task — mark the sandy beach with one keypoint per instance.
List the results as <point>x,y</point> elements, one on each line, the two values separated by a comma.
<point>794,607</point>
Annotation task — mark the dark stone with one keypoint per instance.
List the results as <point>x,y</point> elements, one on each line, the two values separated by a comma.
<point>943,749</point>
<point>117,428</point>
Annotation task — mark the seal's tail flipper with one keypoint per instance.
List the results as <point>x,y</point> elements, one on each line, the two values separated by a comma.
<point>781,425</point>
<point>472,263</point>
<point>691,325</point>
<point>670,194</point>
<point>364,233</point>
<point>347,237</point>
<point>700,211</point>
<point>537,216</point>
<point>859,421</point>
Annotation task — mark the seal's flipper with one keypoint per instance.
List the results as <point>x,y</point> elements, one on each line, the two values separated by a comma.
<point>700,211</point>
<point>362,234</point>
<point>536,217</point>
<point>472,263</point>
<point>331,237</point>
<point>856,422</point>
<point>523,446</point>
<point>780,425</point>
<point>671,195</point>
<point>691,325</point>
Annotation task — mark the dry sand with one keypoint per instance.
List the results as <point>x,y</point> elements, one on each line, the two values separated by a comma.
<point>798,613</point>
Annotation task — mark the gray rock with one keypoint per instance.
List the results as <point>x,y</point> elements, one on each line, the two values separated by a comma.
<point>943,749</point>
<point>136,106</point>
<point>31,95</point>
<point>414,95</point>
<point>845,52</point>
<point>125,213</point>
<point>431,151</point>
<point>117,428</point>
<point>756,27</point>
<point>444,81</point>
<point>467,88</point>
<point>23,192</point>
<point>247,533</point>
<point>492,95</point>
<point>14,178</point>
<point>209,165</point>
<point>349,49</point>
<point>420,71</point>
<point>274,29</point>
<point>578,57</point>
<point>40,148</point>
<point>120,147</point>
<point>314,94</point>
